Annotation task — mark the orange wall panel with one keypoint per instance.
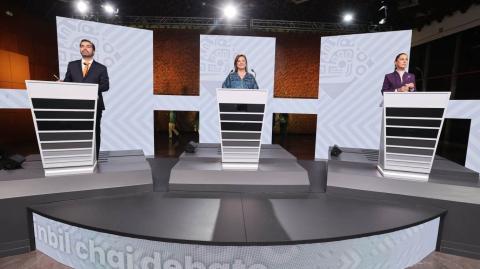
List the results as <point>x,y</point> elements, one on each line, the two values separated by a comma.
<point>14,70</point>
<point>28,50</point>
<point>20,71</point>
<point>5,72</point>
<point>176,57</point>
<point>297,60</point>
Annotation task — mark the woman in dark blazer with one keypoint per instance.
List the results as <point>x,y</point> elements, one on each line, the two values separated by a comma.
<point>400,80</point>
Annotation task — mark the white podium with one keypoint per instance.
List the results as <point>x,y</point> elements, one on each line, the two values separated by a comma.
<point>64,117</point>
<point>411,127</point>
<point>241,120</point>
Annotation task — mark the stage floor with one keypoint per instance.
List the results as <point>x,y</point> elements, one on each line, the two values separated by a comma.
<point>450,186</point>
<point>118,173</point>
<point>114,170</point>
<point>238,219</point>
<point>356,169</point>
<point>253,230</point>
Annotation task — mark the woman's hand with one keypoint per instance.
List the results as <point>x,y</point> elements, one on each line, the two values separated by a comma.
<point>404,88</point>
<point>410,85</point>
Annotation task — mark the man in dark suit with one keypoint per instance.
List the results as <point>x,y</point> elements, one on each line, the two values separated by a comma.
<point>87,70</point>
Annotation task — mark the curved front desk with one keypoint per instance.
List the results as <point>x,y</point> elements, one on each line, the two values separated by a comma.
<point>166,230</point>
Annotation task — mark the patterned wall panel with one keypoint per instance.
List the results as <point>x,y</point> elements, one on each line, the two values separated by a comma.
<point>127,122</point>
<point>217,53</point>
<point>352,68</point>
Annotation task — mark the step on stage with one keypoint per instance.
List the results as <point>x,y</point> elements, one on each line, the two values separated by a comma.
<point>278,170</point>
<point>228,230</point>
<point>450,186</point>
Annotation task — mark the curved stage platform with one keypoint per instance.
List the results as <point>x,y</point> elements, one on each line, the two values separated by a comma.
<point>126,216</point>
<point>224,230</point>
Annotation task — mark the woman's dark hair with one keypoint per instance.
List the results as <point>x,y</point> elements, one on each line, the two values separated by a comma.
<point>86,40</point>
<point>236,59</point>
<point>396,58</point>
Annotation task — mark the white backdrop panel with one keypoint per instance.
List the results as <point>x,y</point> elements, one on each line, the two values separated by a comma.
<point>352,68</point>
<point>217,53</point>
<point>127,122</point>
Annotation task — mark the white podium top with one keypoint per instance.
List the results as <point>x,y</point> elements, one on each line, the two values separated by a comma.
<point>241,96</point>
<point>416,99</point>
<point>61,90</point>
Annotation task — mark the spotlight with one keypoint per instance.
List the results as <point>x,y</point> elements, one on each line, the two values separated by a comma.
<point>348,17</point>
<point>109,9</point>
<point>383,12</point>
<point>82,6</point>
<point>230,11</point>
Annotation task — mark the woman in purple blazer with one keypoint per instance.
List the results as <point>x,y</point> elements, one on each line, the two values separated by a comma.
<point>400,80</point>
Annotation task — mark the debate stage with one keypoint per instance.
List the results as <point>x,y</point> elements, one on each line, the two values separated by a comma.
<point>118,173</point>
<point>349,215</point>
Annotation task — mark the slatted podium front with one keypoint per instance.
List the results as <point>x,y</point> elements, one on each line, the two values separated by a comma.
<point>64,118</point>
<point>241,114</point>
<point>411,127</point>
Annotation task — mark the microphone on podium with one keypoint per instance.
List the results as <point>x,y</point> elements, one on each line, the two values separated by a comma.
<point>254,73</point>
<point>55,77</point>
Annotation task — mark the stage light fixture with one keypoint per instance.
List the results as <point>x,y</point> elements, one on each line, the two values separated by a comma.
<point>82,6</point>
<point>109,9</point>
<point>348,17</point>
<point>383,11</point>
<point>230,11</point>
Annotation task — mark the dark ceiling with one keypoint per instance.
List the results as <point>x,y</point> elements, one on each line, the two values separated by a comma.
<point>402,14</point>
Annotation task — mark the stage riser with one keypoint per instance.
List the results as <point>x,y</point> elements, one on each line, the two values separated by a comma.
<point>14,237</point>
<point>415,243</point>
<point>204,170</point>
<point>450,186</point>
<point>459,227</point>
<point>119,173</point>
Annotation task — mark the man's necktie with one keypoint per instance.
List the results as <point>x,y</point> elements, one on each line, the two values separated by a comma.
<point>86,66</point>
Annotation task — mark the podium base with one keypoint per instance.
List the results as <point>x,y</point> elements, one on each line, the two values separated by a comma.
<point>403,175</point>
<point>61,171</point>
